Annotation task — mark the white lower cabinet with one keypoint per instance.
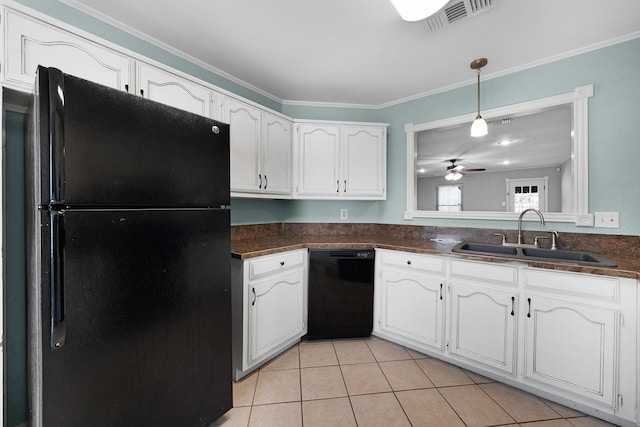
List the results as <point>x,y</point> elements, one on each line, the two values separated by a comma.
<point>569,337</point>
<point>483,313</point>
<point>409,299</point>
<point>572,346</point>
<point>269,297</point>
<point>483,325</point>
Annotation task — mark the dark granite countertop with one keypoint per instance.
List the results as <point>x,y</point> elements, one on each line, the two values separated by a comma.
<point>628,267</point>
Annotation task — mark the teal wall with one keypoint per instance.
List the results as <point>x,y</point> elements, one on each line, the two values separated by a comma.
<point>614,150</point>
<point>15,294</point>
<point>612,144</point>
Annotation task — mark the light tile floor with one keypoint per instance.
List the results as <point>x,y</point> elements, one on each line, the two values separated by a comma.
<point>370,382</point>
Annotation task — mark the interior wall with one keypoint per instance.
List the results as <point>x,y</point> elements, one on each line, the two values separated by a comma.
<point>486,191</point>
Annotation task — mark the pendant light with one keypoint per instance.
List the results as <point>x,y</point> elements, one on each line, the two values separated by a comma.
<point>415,10</point>
<point>479,126</point>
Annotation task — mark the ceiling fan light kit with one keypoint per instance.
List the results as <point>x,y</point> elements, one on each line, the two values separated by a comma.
<point>479,125</point>
<point>416,10</point>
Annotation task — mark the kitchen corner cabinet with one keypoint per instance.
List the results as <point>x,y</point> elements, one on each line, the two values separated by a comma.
<point>341,160</point>
<point>167,88</point>
<point>483,313</point>
<point>410,299</point>
<point>30,42</point>
<point>569,337</point>
<point>269,298</point>
<point>261,151</point>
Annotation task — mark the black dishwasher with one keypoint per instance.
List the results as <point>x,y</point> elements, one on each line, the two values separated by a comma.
<point>340,293</point>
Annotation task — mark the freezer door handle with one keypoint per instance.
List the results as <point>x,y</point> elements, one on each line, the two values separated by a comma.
<point>58,325</point>
<point>56,129</point>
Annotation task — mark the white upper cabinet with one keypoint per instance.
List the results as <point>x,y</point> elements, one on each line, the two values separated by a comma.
<point>341,161</point>
<point>318,160</point>
<point>29,43</point>
<point>276,154</point>
<point>363,160</point>
<point>260,151</point>
<point>165,87</point>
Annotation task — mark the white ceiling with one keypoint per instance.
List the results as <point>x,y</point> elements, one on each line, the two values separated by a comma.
<point>359,51</point>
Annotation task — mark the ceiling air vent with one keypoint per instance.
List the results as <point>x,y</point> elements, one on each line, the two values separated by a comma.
<point>456,10</point>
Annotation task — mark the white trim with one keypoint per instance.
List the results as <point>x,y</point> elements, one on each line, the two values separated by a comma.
<point>2,258</point>
<point>155,42</point>
<point>579,99</point>
<point>142,36</point>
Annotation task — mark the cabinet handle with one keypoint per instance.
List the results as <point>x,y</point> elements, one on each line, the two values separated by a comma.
<point>142,92</point>
<point>440,291</point>
<point>529,301</point>
<point>282,263</point>
<point>345,186</point>
<point>126,87</point>
<point>260,178</point>
<point>266,182</point>
<point>337,186</point>
<point>409,262</point>
<point>513,303</point>
<point>254,296</point>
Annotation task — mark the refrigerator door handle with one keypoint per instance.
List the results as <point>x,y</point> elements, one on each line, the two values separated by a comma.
<point>56,129</point>
<point>58,324</point>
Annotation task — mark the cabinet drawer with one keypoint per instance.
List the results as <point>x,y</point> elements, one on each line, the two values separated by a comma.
<point>413,261</point>
<point>479,271</point>
<point>269,264</point>
<point>572,283</point>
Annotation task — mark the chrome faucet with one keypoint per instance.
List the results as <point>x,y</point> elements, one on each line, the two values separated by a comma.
<point>520,222</point>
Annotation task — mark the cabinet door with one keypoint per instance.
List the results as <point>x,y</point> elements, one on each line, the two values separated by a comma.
<point>483,325</point>
<point>159,85</point>
<point>363,161</point>
<point>245,132</point>
<point>276,308</point>
<point>571,346</point>
<point>411,306</point>
<point>30,43</point>
<point>276,154</point>
<point>318,163</point>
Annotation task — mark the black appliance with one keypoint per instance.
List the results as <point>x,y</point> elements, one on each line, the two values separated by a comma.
<point>129,318</point>
<point>340,293</point>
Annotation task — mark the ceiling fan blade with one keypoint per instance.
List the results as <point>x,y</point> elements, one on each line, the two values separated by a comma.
<point>474,170</point>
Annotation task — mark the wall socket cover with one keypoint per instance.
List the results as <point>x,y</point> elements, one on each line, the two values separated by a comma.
<point>344,214</point>
<point>608,219</point>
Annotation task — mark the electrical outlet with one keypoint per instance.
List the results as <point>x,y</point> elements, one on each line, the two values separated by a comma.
<point>608,219</point>
<point>344,214</point>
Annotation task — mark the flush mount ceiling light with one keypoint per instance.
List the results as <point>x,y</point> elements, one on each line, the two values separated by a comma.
<point>479,126</point>
<point>415,10</point>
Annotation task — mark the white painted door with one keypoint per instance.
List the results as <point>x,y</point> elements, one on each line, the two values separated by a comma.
<point>412,307</point>
<point>363,161</point>
<point>318,163</point>
<point>276,154</point>
<point>162,86</point>
<point>245,137</point>
<point>276,308</point>
<point>527,193</point>
<point>572,346</point>
<point>30,43</point>
<point>483,324</point>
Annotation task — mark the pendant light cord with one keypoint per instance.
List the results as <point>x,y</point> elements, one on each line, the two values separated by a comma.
<point>478,93</point>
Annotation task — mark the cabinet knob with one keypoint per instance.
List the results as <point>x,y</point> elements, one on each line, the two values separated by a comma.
<point>281,262</point>
<point>409,262</point>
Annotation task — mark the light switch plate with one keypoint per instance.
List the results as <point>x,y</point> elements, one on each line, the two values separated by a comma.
<point>344,214</point>
<point>608,219</point>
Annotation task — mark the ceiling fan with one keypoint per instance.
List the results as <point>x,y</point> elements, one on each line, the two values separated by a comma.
<point>455,172</point>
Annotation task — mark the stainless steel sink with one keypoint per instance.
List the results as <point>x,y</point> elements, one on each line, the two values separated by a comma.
<point>533,254</point>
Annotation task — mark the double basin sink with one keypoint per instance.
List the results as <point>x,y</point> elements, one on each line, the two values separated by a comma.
<point>532,254</point>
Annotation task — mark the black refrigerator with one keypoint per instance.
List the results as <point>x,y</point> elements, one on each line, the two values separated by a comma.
<point>128,241</point>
